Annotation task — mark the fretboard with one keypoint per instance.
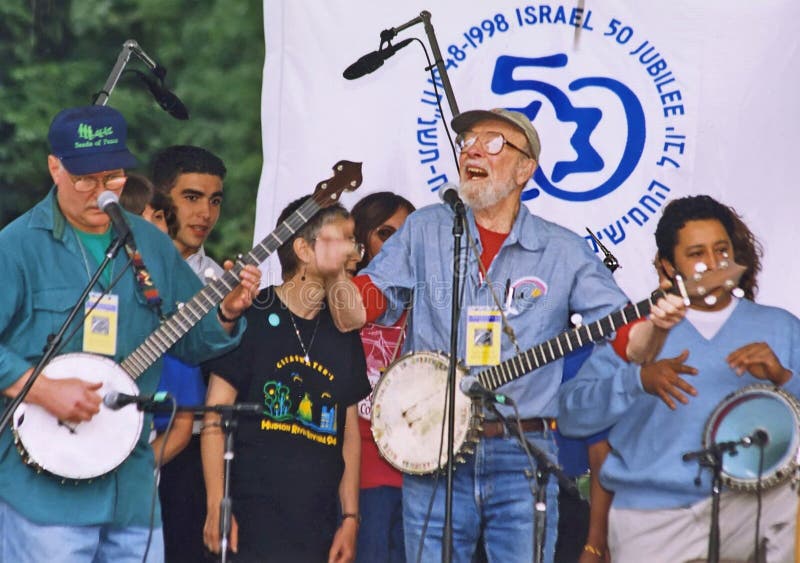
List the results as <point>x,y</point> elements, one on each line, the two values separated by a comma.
<point>176,326</point>
<point>563,344</point>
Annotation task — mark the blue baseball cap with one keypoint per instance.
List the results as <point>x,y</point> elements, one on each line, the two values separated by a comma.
<point>90,139</point>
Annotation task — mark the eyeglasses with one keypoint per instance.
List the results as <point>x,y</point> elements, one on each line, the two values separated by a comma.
<point>90,183</point>
<point>492,141</point>
<point>358,247</point>
<point>385,232</point>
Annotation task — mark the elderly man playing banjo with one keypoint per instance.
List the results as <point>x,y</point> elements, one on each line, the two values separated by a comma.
<point>94,507</point>
<point>533,271</point>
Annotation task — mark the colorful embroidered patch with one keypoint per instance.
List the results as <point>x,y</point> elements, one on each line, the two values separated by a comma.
<point>524,292</point>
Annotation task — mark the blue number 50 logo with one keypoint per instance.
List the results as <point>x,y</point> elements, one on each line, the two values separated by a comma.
<point>585,120</point>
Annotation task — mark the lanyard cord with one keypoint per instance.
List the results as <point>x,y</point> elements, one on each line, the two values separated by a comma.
<point>507,328</point>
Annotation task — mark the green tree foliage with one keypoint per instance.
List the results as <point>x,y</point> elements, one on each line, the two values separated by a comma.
<point>59,53</point>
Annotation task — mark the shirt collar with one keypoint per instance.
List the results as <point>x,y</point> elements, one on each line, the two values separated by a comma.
<point>525,230</point>
<point>47,215</point>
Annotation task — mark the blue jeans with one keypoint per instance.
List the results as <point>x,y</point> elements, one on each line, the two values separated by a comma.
<point>380,536</point>
<point>492,495</point>
<point>23,541</point>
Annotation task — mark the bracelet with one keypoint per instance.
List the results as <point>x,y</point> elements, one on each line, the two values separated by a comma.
<point>593,550</point>
<point>354,515</point>
<point>221,316</point>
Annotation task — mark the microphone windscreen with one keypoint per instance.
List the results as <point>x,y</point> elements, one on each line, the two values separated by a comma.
<point>106,198</point>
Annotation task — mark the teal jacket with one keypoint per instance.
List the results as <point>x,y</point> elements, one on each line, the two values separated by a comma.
<point>44,270</point>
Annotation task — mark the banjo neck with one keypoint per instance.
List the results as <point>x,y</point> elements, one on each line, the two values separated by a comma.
<point>347,177</point>
<point>566,342</point>
<point>105,442</point>
<point>699,284</point>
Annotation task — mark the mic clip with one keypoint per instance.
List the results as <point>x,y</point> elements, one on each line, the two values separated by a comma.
<point>610,261</point>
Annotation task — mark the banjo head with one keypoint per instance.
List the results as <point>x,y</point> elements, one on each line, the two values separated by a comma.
<point>88,449</point>
<point>757,407</point>
<point>409,418</point>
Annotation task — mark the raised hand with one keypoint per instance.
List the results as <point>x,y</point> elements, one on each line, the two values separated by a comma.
<point>760,361</point>
<point>238,300</point>
<point>667,312</point>
<point>663,379</point>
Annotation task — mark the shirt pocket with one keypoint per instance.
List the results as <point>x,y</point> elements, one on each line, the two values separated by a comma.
<point>50,310</point>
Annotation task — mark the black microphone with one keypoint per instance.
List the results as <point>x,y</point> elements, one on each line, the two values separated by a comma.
<point>109,203</point>
<point>166,99</point>
<point>471,387</point>
<point>759,438</point>
<point>373,61</point>
<point>448,193</point>
<point>115,400</point>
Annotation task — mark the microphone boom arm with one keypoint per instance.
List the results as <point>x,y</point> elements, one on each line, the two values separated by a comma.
<point>438,61</point>
<point>130,47</point>
<point>122,60</point>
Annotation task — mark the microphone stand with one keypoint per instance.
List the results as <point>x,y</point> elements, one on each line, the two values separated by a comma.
<point>440,66</point>
<point>130,47</point>
<point>54,343</point>
<point>228,423</point>
<point>711,457</point>
<point>425,18</point>
<point>455,314</point>
<point>458,231</point>
<point>544,468</point>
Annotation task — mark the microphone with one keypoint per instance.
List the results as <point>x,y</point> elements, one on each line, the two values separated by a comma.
<point>758,438</point>
<point>109,203</point>
<point>115,400</point>
<point>373,61</point>
<point>166,99</point>
<point>610,260</point>
<point>471,387</point>
<point>448,193</point>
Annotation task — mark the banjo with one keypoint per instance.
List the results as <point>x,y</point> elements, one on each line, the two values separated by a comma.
<point>91,449</point>
<point>409,402</point>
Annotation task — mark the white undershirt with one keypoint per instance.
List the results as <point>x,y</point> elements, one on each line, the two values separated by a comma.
<point>708,323</point>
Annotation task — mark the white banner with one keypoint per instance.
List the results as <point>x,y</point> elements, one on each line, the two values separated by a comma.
<point>635,102</point>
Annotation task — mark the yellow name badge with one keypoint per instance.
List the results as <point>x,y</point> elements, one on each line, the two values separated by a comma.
<point>483,336</point>
<point>100,326</point>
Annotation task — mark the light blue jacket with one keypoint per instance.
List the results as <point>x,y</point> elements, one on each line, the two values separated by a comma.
<point>550,273</point>
<point>43,273</point>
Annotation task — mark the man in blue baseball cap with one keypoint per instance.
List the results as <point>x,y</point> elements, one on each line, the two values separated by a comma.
<point>47,257</point>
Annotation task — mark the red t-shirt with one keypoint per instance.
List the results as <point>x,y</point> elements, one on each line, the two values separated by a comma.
<point>381,345</point>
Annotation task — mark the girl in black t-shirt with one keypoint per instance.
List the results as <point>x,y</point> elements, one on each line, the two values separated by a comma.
<point>298,461</point>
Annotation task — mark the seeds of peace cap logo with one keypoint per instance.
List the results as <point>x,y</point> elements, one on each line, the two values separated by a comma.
<point>611,113</point>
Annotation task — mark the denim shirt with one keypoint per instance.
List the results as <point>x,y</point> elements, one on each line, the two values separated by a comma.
<point>550,273</point>
<point>44,270</point>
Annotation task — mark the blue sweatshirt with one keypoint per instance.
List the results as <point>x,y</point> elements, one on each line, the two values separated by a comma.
<point>645,468</point>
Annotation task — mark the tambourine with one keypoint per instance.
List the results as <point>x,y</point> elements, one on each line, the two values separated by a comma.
<point>744,412</point>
